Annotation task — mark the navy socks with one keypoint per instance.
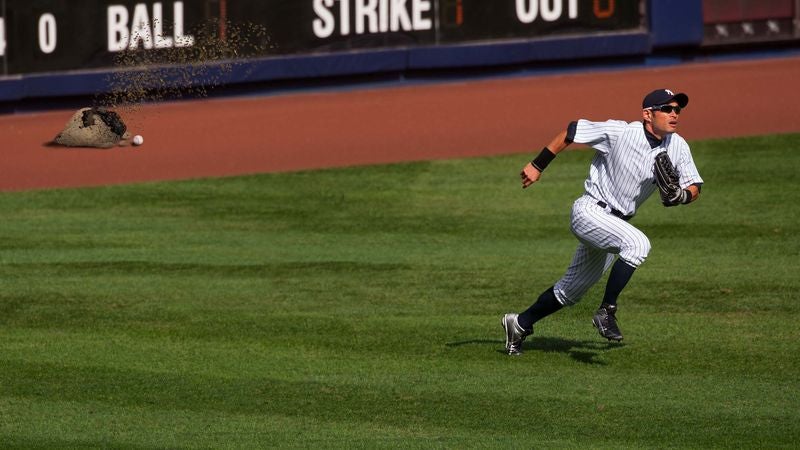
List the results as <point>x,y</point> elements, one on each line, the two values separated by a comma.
<point>620,274</point>
<point>545,305</point>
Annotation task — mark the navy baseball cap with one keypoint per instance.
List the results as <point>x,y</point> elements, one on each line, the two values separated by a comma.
<point>664,96</point>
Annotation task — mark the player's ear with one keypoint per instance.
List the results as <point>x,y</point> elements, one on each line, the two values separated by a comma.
<point>647,115</point>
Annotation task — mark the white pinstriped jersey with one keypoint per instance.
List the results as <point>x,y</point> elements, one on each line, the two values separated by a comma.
<point>621,173</point>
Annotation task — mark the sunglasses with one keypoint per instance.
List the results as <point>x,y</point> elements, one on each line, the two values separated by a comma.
<point>666,109</point>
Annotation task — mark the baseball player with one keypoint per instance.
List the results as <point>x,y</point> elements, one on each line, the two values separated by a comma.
<point>632,160</point>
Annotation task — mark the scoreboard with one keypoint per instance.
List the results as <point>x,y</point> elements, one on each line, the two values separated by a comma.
<point>56,35</point>
<point>50,35</point>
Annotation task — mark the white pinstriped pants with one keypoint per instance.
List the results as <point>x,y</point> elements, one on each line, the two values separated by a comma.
<point>602,236</point>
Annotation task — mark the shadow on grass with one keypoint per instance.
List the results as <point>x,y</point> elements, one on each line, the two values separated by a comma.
<point>581,351</point>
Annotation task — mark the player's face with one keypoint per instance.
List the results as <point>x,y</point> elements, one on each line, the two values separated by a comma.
<point>664,120</point>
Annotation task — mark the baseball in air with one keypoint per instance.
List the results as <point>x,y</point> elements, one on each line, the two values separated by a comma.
<point>138,140</point>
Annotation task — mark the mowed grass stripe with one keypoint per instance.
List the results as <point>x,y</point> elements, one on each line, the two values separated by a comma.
<point>360,307</point>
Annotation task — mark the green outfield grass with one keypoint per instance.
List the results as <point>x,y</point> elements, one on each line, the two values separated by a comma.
<point>360,308</point>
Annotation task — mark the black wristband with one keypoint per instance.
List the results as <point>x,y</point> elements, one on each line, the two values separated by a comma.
<point>544,158</point>
<point>688,198</point>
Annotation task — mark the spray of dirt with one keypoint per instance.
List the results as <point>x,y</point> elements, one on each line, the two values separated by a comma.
<point>183,71</point>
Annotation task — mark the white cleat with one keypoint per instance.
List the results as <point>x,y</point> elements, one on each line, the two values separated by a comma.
<point>515,334</point>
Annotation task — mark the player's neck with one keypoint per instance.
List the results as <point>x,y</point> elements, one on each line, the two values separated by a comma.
<point>653,138</point>
<point>649,127</point>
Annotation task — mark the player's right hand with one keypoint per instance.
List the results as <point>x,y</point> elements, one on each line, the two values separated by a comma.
<point>529,175</point>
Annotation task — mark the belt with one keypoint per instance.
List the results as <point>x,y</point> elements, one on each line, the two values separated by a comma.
<point>614,212</point>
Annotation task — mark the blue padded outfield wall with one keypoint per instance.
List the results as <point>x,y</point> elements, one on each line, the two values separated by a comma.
<point>53,48</point>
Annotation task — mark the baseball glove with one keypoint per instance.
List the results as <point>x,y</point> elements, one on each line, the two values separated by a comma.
<point>668,181</point>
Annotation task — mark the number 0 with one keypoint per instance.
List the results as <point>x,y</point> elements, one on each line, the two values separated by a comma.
<point>603,13</point>
<point>47,33</point>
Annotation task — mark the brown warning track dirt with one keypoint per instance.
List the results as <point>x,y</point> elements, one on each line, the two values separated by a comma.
<point>317,130</point>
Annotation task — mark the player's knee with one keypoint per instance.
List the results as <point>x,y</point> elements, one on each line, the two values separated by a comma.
<point>569,294</point>
<point>561,297</point>
<point>635,252</point>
